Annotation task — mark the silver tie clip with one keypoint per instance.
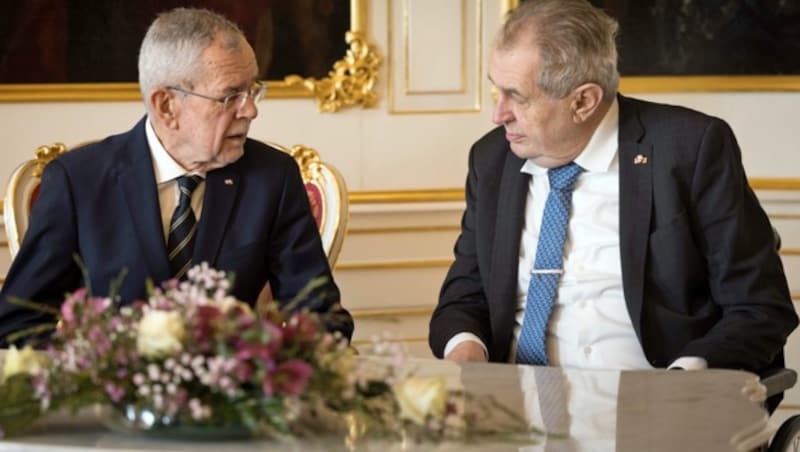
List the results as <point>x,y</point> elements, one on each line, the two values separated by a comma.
<point>547,271</point>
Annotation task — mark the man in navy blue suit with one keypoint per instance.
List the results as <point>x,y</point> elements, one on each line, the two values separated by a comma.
<point>111,202</point>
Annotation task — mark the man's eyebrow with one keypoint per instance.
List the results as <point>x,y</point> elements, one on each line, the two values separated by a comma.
<point>504,90</point>
<point>235,89</point>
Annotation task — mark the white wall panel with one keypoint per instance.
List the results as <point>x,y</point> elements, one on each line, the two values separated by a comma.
<point>435,56</point>
<point>434,40</point>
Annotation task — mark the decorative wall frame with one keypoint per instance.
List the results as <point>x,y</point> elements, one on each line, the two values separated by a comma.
<point>687,80</point>
<point>350,82</point>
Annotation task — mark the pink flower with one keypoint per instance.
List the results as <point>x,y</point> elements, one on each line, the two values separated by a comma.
<point>114,391</point>
<point>68,306</point>
<point>300,328</point>
<point>243,370</point>
<point>100,340</point>
<point>291,377</point>
<point>98,305</point>
<point>205,325</point>
<point>248,351</point>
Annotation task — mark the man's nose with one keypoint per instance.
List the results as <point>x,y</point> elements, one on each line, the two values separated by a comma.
<point>248,109</point>
<point>501,113</point>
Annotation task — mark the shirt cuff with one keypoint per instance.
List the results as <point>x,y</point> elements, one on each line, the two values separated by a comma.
<point>689,363</point>
<point>463,337</point>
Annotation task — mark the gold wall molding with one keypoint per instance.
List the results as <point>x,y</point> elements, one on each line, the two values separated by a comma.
<point>775,183</point>
<point>404,229</point>
<point>789,406</point>
<point>709,83</point>
<point>364,342</point>
<point>407,196</point>
<point>391,313</point>
<point>789,252</point>
<point>394,265</point>
<point>350,82</point>
<point>68,92</point>
<point>457,194</point>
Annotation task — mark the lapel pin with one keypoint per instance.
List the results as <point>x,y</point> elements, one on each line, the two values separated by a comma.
<point>228,181</point>
<point>639,160</point>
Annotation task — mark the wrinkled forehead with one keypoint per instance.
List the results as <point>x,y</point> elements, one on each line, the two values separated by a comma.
<point>225,64</point>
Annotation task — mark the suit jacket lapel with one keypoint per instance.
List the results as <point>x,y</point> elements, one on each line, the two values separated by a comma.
<point>222,186</point>
<point>511,201</point>
<point>636,161</point>
<point>137,182</point>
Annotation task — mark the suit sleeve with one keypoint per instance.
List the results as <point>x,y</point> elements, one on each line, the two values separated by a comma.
<point>745,274</point>
<point>463,307</point>
<point>44,270</point>
<point>297,256</point>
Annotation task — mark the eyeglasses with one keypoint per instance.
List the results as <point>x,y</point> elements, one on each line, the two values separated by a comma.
<point>235,100</point>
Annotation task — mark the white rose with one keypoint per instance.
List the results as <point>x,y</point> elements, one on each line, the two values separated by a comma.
<point>420,397</point>
<point>22,361</point>
<point>160,333</point>
<point>228,303</point>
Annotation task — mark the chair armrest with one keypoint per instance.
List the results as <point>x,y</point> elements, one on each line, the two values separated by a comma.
<point>778,380</point>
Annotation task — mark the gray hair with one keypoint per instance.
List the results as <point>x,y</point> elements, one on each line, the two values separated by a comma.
<point>172,48</point>
<point>575,40</point>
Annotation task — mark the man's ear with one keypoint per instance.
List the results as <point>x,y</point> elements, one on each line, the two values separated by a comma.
<point>586,99</point>
<point>164,106</point>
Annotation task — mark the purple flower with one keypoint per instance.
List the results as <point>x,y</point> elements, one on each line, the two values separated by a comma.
<point>300,328</point>
<point>291,377</point>
<point>98,305</point>
<point>68,306</point>
<point>115,392</point>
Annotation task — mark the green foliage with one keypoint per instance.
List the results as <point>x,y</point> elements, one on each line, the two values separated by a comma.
<point>19,407</point>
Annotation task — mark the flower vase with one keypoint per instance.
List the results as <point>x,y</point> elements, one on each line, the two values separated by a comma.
<point>138,420</point>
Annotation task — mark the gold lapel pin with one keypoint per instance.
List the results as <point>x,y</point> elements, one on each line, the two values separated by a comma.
<point>639,160</point>
<point>228,181</point>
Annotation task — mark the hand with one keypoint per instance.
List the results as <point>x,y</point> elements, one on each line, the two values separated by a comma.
<point>754,390</point>
<point>467,351</point>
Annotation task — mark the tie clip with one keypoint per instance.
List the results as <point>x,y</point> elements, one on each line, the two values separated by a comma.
<point>547,271</point>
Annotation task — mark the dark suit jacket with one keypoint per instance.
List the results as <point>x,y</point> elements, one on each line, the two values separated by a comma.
<point>101,203</point>
<point>700,273</point>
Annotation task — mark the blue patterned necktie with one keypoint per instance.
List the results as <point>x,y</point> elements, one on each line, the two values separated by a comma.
<point>182,228</point>
<point>547,268</point>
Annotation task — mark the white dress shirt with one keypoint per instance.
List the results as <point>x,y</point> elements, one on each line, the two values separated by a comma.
<point>590,327</point>
<point>167,172</point>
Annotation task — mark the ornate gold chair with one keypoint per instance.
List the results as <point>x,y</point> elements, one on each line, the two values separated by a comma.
<point>327,194</point>
<point>22,191</point>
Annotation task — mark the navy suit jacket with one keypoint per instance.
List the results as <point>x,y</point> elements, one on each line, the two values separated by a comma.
<point>100,202</point>
<point>700,273</point>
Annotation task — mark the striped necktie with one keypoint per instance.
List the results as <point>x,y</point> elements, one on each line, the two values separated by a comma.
<point>548,265</point>
<point>182,228</point>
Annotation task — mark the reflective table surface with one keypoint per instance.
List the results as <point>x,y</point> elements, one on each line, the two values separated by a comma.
<point>576,410</point>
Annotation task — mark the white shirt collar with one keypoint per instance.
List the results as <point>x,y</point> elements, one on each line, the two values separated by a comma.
<point>164,166</point>
<point>601,151</point>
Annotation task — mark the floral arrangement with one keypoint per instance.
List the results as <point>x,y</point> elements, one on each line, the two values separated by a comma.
<point>192,356</point>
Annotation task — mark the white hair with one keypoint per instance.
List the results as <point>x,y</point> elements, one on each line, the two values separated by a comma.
<point>172,48</point>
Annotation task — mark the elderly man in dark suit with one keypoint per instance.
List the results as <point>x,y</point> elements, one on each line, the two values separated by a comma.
<point>602,231</point>
<point>184,186</point>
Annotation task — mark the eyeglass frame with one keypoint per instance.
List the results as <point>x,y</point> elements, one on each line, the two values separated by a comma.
<point>256,91</point>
